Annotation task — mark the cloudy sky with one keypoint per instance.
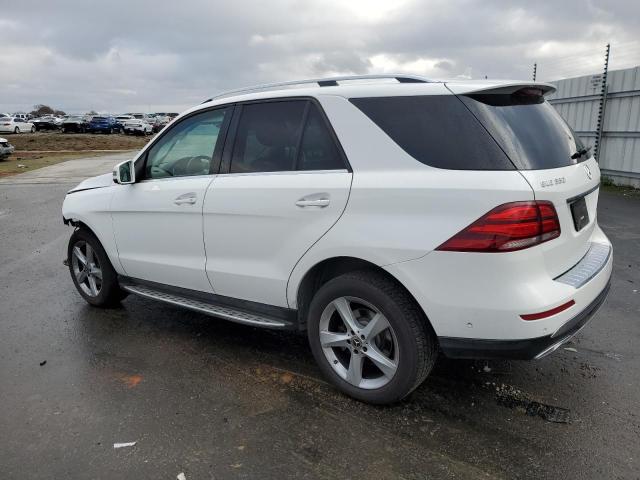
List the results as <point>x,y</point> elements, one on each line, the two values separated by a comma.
<point>116,56</point>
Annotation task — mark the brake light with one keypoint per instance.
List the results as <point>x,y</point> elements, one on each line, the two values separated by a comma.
<point>508,227</point>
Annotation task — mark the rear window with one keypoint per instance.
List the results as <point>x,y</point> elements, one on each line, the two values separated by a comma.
<point>530,131</point>
<point>437,130</point>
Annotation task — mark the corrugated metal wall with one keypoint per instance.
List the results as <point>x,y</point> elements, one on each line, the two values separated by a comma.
<point>577,100</point>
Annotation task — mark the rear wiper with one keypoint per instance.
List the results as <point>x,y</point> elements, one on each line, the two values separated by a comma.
<point>580,153</point>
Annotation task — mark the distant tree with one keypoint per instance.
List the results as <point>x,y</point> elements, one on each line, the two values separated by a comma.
<point>93,112</point>
<point>39,110</point>
<point>59,112</point>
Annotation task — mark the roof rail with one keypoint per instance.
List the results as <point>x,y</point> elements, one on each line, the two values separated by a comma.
<point>322,82</point>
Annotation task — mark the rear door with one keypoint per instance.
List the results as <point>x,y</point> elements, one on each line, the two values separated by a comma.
<point>284,184</point>
<point>551,158</point>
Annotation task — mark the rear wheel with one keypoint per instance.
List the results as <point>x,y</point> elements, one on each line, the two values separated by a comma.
<point>91,271</point>
<point>33,129</point>
<point>16,130</point>
<point>369,337</point>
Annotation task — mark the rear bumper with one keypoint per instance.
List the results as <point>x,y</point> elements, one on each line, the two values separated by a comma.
<point>526,349</point>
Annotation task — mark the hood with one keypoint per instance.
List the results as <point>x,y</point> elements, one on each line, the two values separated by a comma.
<point>100,181</point>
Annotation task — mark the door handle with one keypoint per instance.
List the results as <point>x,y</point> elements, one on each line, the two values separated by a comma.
<point>186,199</point>
<point>319,200</point>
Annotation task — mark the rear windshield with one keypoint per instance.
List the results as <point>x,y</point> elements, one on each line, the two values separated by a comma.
<point>530,131</point>
<point>437,130</point>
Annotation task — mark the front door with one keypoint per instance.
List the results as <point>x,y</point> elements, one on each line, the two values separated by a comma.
<point>158,220</point>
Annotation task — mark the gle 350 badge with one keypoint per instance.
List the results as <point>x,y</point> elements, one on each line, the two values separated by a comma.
<point>553,181</point>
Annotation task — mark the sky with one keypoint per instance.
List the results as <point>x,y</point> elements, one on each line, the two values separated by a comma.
<point>151,56</point>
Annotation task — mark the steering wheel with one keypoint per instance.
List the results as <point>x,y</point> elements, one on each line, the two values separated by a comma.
<point>204,160</point>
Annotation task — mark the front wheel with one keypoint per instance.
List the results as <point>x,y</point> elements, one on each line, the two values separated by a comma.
<point>33,129</point>
<point>91,271</point>
<point>16,130</point>
<point>369,337</point>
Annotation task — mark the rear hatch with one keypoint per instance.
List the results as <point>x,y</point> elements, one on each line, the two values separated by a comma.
<point>549,156</point>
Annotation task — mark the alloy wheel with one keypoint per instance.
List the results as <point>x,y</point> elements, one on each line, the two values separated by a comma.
<point>359,342</point>
<point>86,268</point>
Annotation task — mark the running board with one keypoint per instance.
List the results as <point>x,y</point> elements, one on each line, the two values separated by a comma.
<point>225,312</point>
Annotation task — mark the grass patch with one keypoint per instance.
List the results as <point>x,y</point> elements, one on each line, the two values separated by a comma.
<point>33,161</point>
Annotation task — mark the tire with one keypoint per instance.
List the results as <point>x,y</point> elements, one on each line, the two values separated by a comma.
<point>16,130</point>
<point>33,129</point>
<point>408,343</point>
<point>104,293</point>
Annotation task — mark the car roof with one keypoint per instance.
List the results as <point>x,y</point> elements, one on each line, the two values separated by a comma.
<point>369,86</point>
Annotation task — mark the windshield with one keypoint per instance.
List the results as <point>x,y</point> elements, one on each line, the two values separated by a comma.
<point>532,133</point>
<point>75,119</point>
<point>98,119</point>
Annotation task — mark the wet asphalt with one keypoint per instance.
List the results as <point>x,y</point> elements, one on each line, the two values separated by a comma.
<point>217,400</point>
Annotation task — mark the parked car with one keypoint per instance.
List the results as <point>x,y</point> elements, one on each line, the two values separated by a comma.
<point>6,148</point>
<point>139,116</point>
<point>21,116</point>
<point>46,123</point>
<point>103,123</point>
<point>157,123</point>
<point>16,125</point>
<point>138,127</point>
<point>75,123</point>
<point>120,119</point>
<point>389,221</point>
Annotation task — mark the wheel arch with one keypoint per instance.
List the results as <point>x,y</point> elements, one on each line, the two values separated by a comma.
<point>329,268</point>
<point>104,235</point>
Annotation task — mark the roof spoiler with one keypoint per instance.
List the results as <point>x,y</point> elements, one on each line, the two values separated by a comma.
<point>505,88</point>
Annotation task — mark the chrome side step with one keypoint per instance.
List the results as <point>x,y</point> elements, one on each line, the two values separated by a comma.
<point>225,312</point>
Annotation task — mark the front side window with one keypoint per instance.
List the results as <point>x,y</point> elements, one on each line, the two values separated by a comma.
<point>187,149</point>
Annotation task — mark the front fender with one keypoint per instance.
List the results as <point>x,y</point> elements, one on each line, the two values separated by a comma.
<point>91,207</point>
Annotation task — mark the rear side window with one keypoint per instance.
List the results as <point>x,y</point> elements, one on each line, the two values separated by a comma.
<point>437,130</point>
<point>284,136</point>
<point>530,130</point>
<point>267,137</point>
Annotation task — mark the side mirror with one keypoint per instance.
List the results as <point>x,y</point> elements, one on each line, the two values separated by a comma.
<point>124,173</point>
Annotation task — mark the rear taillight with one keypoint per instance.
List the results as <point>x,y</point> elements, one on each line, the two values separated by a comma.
<point>508,227</point>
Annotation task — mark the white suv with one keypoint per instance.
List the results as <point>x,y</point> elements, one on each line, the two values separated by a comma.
<point>389,218</point>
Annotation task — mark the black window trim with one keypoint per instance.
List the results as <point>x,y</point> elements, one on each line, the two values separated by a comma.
<point>225,168</point>
<point>214,168</point>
